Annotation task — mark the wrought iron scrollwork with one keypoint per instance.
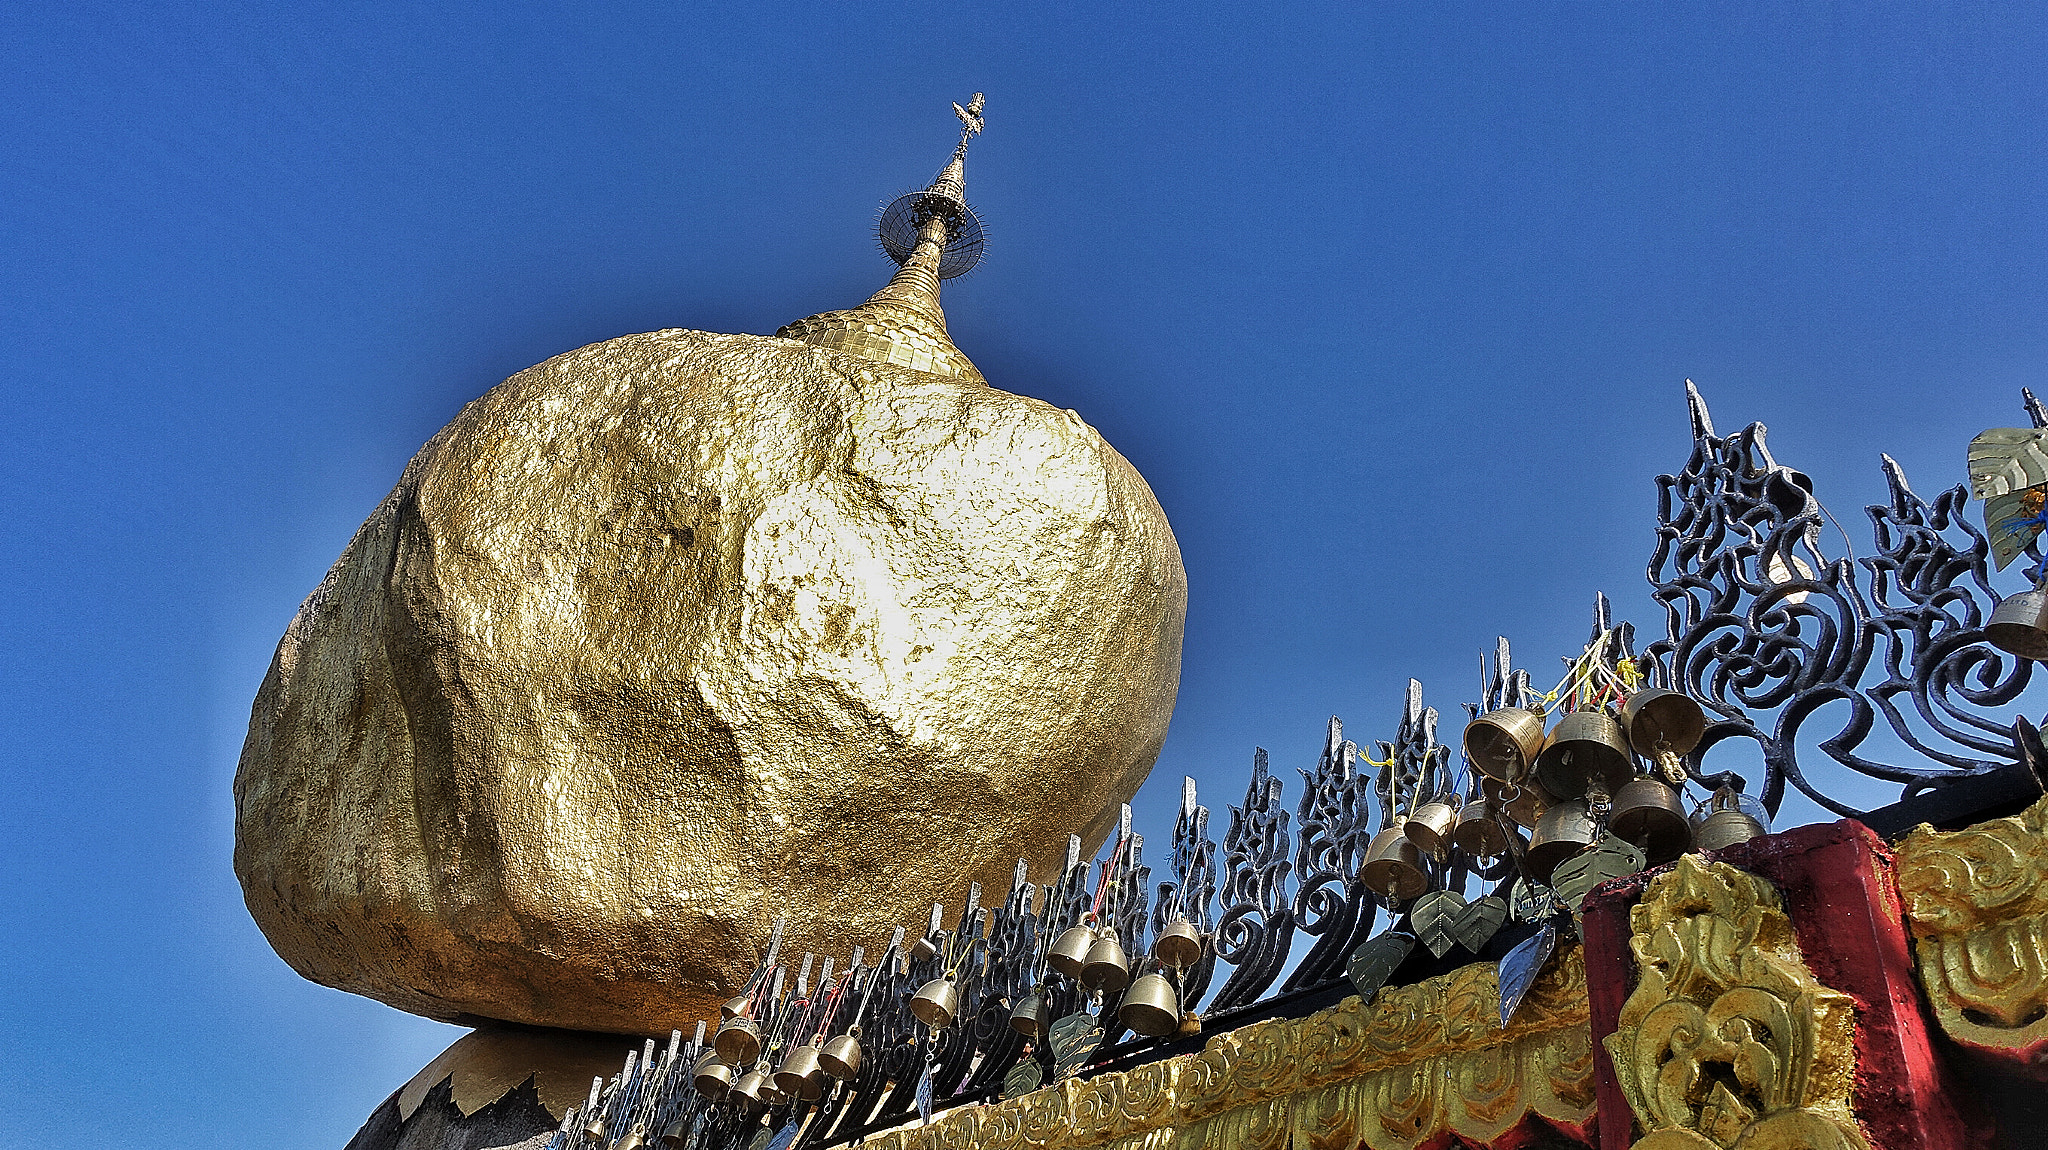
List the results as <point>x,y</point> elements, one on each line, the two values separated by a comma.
<point>1192,890</point>
<point>1765,630</point>
<point>1332,905</point>
<point>1257,921</point>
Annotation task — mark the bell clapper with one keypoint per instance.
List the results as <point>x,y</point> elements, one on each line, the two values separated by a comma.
<point>1671,764</point>
<point>1599,802</point>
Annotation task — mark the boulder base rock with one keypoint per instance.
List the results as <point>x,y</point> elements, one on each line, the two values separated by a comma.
<point>680,632</point>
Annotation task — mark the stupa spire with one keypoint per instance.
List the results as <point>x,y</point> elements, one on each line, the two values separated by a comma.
<point>933,236</point>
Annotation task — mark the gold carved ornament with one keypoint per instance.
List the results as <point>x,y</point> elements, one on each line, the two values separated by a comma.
<point>1728,1039</point>
<point>1416,1064</point>
<point>1977,903</point>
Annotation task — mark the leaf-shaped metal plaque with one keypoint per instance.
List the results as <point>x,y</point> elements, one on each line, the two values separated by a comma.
<point>1475,925</point>
<point>1023,1078</point>
<point>1432,916</point>
<point>783,1137</point>
<point>926,1083</point>
<point>1609,858</point>
<point>2008,468</point>
<point>1532,901</point>
<point>760,1139</point>
<point>1520,966</point>
<point>1073,1039</point>
<point>1375,959</point>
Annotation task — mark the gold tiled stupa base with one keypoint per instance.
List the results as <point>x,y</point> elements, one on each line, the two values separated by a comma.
<point>887,332</point>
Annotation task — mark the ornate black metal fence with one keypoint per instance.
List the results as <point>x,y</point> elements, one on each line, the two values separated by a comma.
<point>1763,630</point>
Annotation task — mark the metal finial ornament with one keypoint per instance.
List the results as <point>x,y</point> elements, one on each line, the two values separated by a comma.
<point>904,220</point>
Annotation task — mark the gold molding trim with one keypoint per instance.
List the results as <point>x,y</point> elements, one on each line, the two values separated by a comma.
<point>1977,904</point>
<point>1420,1062</point>
<point>1728,1039</point>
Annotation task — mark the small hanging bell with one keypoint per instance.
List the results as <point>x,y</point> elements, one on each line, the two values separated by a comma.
<point>2019,625</point>
<point>1649,815</point>
<point>841,1056</point>
<point>1503,743</point>
<point>1393,867</point>
<point>1478,833</point>
<point>712,1076</point>
<point>1586,747</point>
<point>733,1008</point>
<point>632,1141</point>
<point>1179,945</point>
<point>1524,802</point>
<point>677,1136</point>
<point>738,1041</point>
<point>595,1130</point>
<point>1563,831</point>
<point>923,950</point>
<point>1726,823</point>
<point>1107,969</point>
<point>751,1087</point>
<point>1429,828</point>
<point>801,1075</point>
<point>1031,1017</point>
<point>1070,950</point>
<point>935,1003</point>
<point>771,1094</point>
<point>1660,720</point>
<point>1150,1006</point>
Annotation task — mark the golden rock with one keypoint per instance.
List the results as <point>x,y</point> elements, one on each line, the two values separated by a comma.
<point>680,632</point>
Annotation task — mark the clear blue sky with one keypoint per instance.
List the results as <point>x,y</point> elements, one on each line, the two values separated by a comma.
<point>1391,304</point>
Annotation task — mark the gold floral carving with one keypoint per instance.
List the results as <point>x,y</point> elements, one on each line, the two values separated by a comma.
<point>1421,1062</point>
<point>1728,1039</point>
<point>1977,903</point>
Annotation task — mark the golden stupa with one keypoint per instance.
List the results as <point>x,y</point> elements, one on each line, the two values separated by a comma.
<point>679,633</point>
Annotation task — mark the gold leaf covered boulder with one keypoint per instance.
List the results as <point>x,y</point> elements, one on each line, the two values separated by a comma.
<point>681,632</point>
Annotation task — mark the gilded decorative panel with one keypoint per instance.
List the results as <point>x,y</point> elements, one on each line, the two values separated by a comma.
<point>1977,903</point>
<point>1420,1063</point>
<point>1728,1039</point>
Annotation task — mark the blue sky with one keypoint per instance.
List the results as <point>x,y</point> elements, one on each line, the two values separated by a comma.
<point>1390,303</point>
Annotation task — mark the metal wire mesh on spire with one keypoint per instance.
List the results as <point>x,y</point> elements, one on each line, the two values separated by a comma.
<point>902,221</point>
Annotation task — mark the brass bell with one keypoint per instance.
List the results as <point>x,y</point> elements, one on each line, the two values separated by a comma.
<point>1429,828</point>
<point>1107,969</point>
<point>712,1076</point>
<point>841,1056</point>
<point>1727,823</point>
<point>1503,743</point>
<point>1179,945</point>
<point>595,1131</point>
<point>752,1087</point>
<point>1524,802</point>
<point>632,1141</point>
<point>1478,833</point>
<point>1393,867</point>
<point>935,1003</point>
<point>733,1008</point>
<point>1563,831</point>
<point>1660,720</point>
<point>1151,1007</point>
<point>2019,625</point>
<point>1031,1017</point>
<point>677,1136</point>
<point>1070,950</point>
<point>1586,747</point>
<point>923,950</point>
<point>738,1041</point>
<point>771,1094</point>
<point>801,1075</point>
<point>1649,815</point>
